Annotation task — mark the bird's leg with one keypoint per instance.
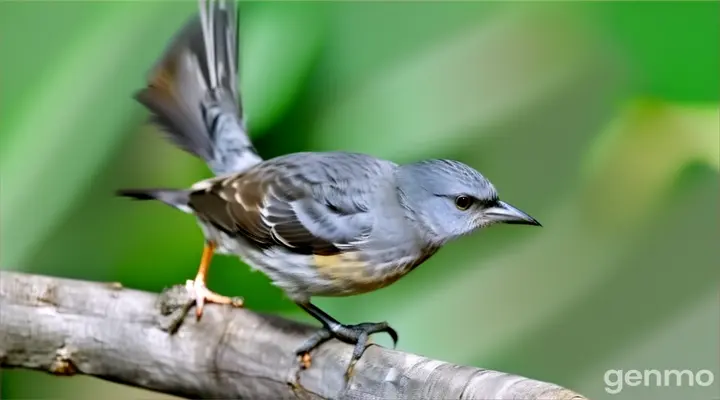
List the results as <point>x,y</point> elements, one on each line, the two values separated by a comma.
<point>198,289</point>
<point>352,334</point>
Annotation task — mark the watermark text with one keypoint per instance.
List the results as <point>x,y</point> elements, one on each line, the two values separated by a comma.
<point>617,379</point>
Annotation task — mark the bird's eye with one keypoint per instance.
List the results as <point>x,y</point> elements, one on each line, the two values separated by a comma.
<point>463,202</point>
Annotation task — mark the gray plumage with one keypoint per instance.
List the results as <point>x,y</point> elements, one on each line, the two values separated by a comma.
<point>328,224</point>
<point>338,224</point>
<point>192,92</point>
<point>318,224</point>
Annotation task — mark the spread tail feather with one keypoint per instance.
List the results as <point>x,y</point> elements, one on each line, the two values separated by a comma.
<point>178,198</point>
<point>192,92</point>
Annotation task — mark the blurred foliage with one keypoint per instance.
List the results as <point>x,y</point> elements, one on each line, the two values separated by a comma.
<point>600,118</point>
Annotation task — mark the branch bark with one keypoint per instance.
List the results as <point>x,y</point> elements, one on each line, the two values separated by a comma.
<point>71,327</point>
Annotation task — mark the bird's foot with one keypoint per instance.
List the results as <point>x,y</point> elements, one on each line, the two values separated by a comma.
<point>175,303</point>
<point>357,335</point>
<point>201,294</point>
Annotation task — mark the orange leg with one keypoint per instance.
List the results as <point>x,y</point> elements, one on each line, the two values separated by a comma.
<point>199,289</point>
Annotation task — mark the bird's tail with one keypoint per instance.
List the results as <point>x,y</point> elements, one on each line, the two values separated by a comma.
<point>192,91</point>
<point>178,198</point>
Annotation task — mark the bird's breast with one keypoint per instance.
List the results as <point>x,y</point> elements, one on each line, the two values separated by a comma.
<point>346,273</point>
<point>355,272</point>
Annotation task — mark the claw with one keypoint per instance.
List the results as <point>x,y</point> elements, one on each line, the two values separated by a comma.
<point>357,335</point>
<point>202,294</point>
<point>199,293</point>
<point>350,369</point>
<point>393,335</point>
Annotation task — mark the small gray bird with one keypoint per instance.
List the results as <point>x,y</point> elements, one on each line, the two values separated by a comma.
<point>317,224</point>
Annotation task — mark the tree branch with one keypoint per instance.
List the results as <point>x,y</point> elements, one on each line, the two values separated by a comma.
<point>73,327</point>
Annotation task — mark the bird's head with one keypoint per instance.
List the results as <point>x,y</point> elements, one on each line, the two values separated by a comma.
<point>450,199</point>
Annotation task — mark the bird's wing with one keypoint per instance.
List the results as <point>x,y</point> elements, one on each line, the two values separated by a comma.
<point>307,204</point>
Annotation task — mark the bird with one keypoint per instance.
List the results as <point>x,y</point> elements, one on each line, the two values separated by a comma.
<point>318,224</point>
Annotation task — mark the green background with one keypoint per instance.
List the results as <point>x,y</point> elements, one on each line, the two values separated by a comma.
<point>599,119</point>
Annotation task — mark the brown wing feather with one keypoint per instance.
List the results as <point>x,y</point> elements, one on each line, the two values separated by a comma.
<point>258,206</point>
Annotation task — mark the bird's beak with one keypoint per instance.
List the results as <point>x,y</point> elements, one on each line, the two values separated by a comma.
<point>507,214</point>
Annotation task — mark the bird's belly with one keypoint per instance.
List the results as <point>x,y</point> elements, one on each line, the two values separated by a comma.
<point>356,272</point>
<point>350,274</point>
<point>303,276</point>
